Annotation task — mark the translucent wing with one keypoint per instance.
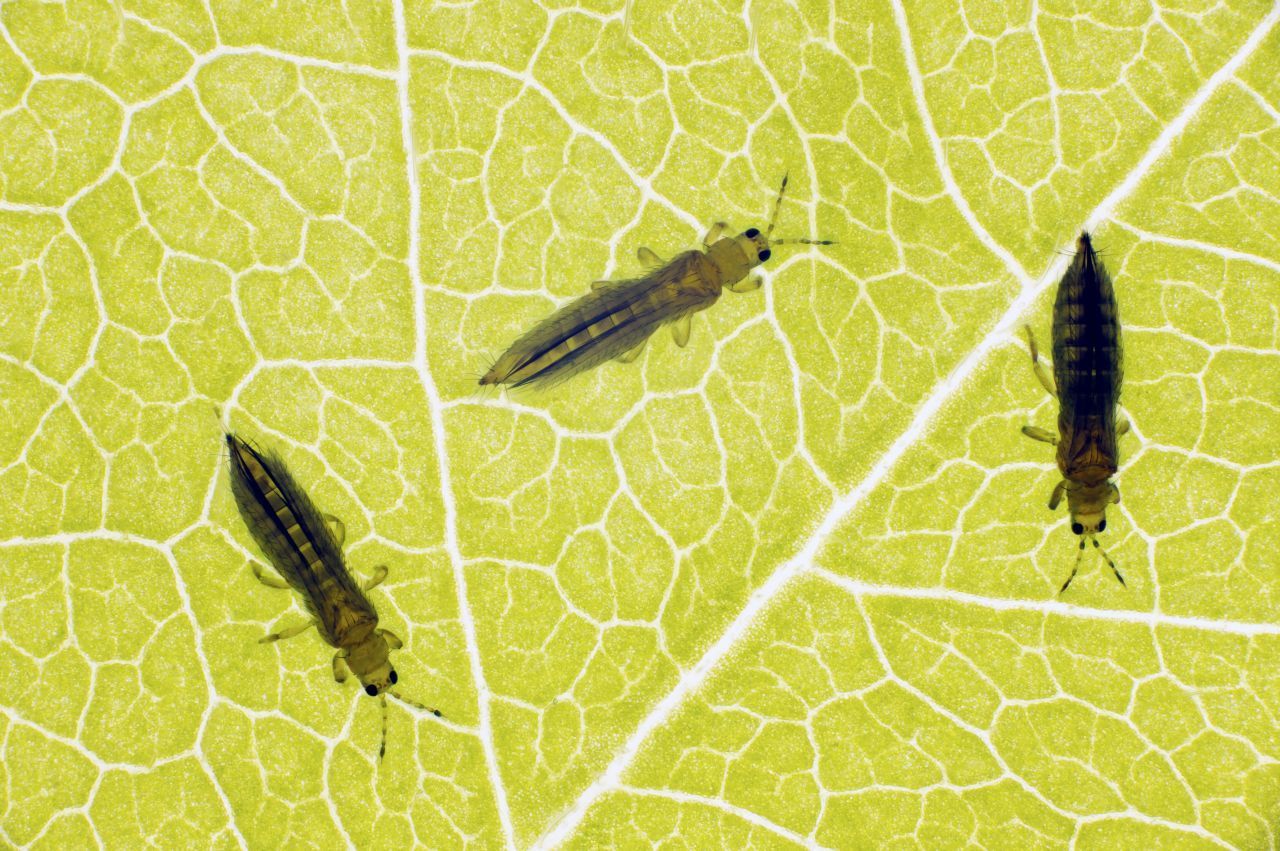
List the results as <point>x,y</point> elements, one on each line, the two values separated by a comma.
<point>1087,365</point>
<point>293,536</point>
<point>605,324</point>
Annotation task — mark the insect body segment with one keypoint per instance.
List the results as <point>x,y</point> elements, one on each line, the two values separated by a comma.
<point>1087,372</point>
<point>616,319</point>
<point>305,548</point>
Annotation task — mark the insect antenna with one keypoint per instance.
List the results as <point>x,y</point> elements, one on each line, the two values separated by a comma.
<point>1110,563</point>
<point>398,696</point>
<point>777,205</point>
<point>1076,566</point>
<point>382,747</point>
<point>803,242</point>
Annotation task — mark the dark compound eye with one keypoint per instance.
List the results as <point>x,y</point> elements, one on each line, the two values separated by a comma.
<point>1077,528</point>
<point>1102,525</point>
<point>394,678</point>
<point>765,255</point>
<point>372,691</point>
<point>751,233</point>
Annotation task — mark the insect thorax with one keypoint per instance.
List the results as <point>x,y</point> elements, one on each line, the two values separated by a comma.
<point>729,261</point>
<point>1088,499</point>
<point>367,656</point>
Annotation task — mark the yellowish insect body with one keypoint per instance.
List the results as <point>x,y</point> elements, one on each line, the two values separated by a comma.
<point>368,657</point>
<point>304,546</point>
<point>616,319</point>
<point>731,259</point>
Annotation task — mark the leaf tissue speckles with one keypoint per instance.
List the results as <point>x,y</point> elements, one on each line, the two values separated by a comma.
<point>1087,372</point>
<point>616,319</point>
<point>319,214</point>
<point>305,547</point>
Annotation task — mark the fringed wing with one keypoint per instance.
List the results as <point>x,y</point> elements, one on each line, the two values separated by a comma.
<point>604,324</point>
<point>1087,365</point>
<point>293,536</point>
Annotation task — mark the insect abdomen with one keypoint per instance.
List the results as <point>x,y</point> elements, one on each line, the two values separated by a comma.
<point>1086,362</point>
<point>601,325</point>
<point>289,529</point>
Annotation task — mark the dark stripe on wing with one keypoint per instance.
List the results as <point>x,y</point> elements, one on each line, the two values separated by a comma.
<point>1087,363</point>
<point>270,524</point>
<point>647,311</point>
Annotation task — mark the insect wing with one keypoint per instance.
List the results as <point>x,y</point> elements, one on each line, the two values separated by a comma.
<point>1087,449</point>
<point>288,528</point>
<point>1087,363</point>
<point>605,323</point>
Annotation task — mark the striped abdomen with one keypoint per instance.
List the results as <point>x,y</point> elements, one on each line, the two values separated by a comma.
<point>606,323</point>
<point>289,529</point>
<point>1087,367</point>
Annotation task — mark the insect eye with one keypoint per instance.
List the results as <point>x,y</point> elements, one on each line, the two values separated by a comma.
<point>751,233</point>
<point>393,676</point>
<point>765,255</point>
<point>1077,528</point>
<point>371,690</point>
<point>1102,525</point>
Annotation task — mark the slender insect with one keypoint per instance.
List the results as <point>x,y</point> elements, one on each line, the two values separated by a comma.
<point>305,547</point>
<point>616,319</point>
<point>1087,371</point>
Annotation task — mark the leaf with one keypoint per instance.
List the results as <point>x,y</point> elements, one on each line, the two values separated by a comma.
<point>794,584</point>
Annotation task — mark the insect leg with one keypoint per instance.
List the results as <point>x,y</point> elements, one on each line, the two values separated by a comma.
<point>1036,366</point>
<point>648,258</point>
<point>393,640</point>
<point>1122,427</point>
<point>339,528</point>
<point>714,233</point>
<point>379,574</point>
<point>269,581</point>
<point>1041,434</point>
<point>681,329</point>
<point>287,633</point>
<point>1056,497</point>
<point>595,285</point>
<point>1074,568</point>
<point>746,285</point>
<point>340,669</point>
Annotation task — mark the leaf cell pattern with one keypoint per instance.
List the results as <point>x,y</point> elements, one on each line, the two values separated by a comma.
<point>793,585</point>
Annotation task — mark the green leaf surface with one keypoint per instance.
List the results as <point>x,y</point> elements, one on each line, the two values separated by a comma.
<point>792,585</point>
